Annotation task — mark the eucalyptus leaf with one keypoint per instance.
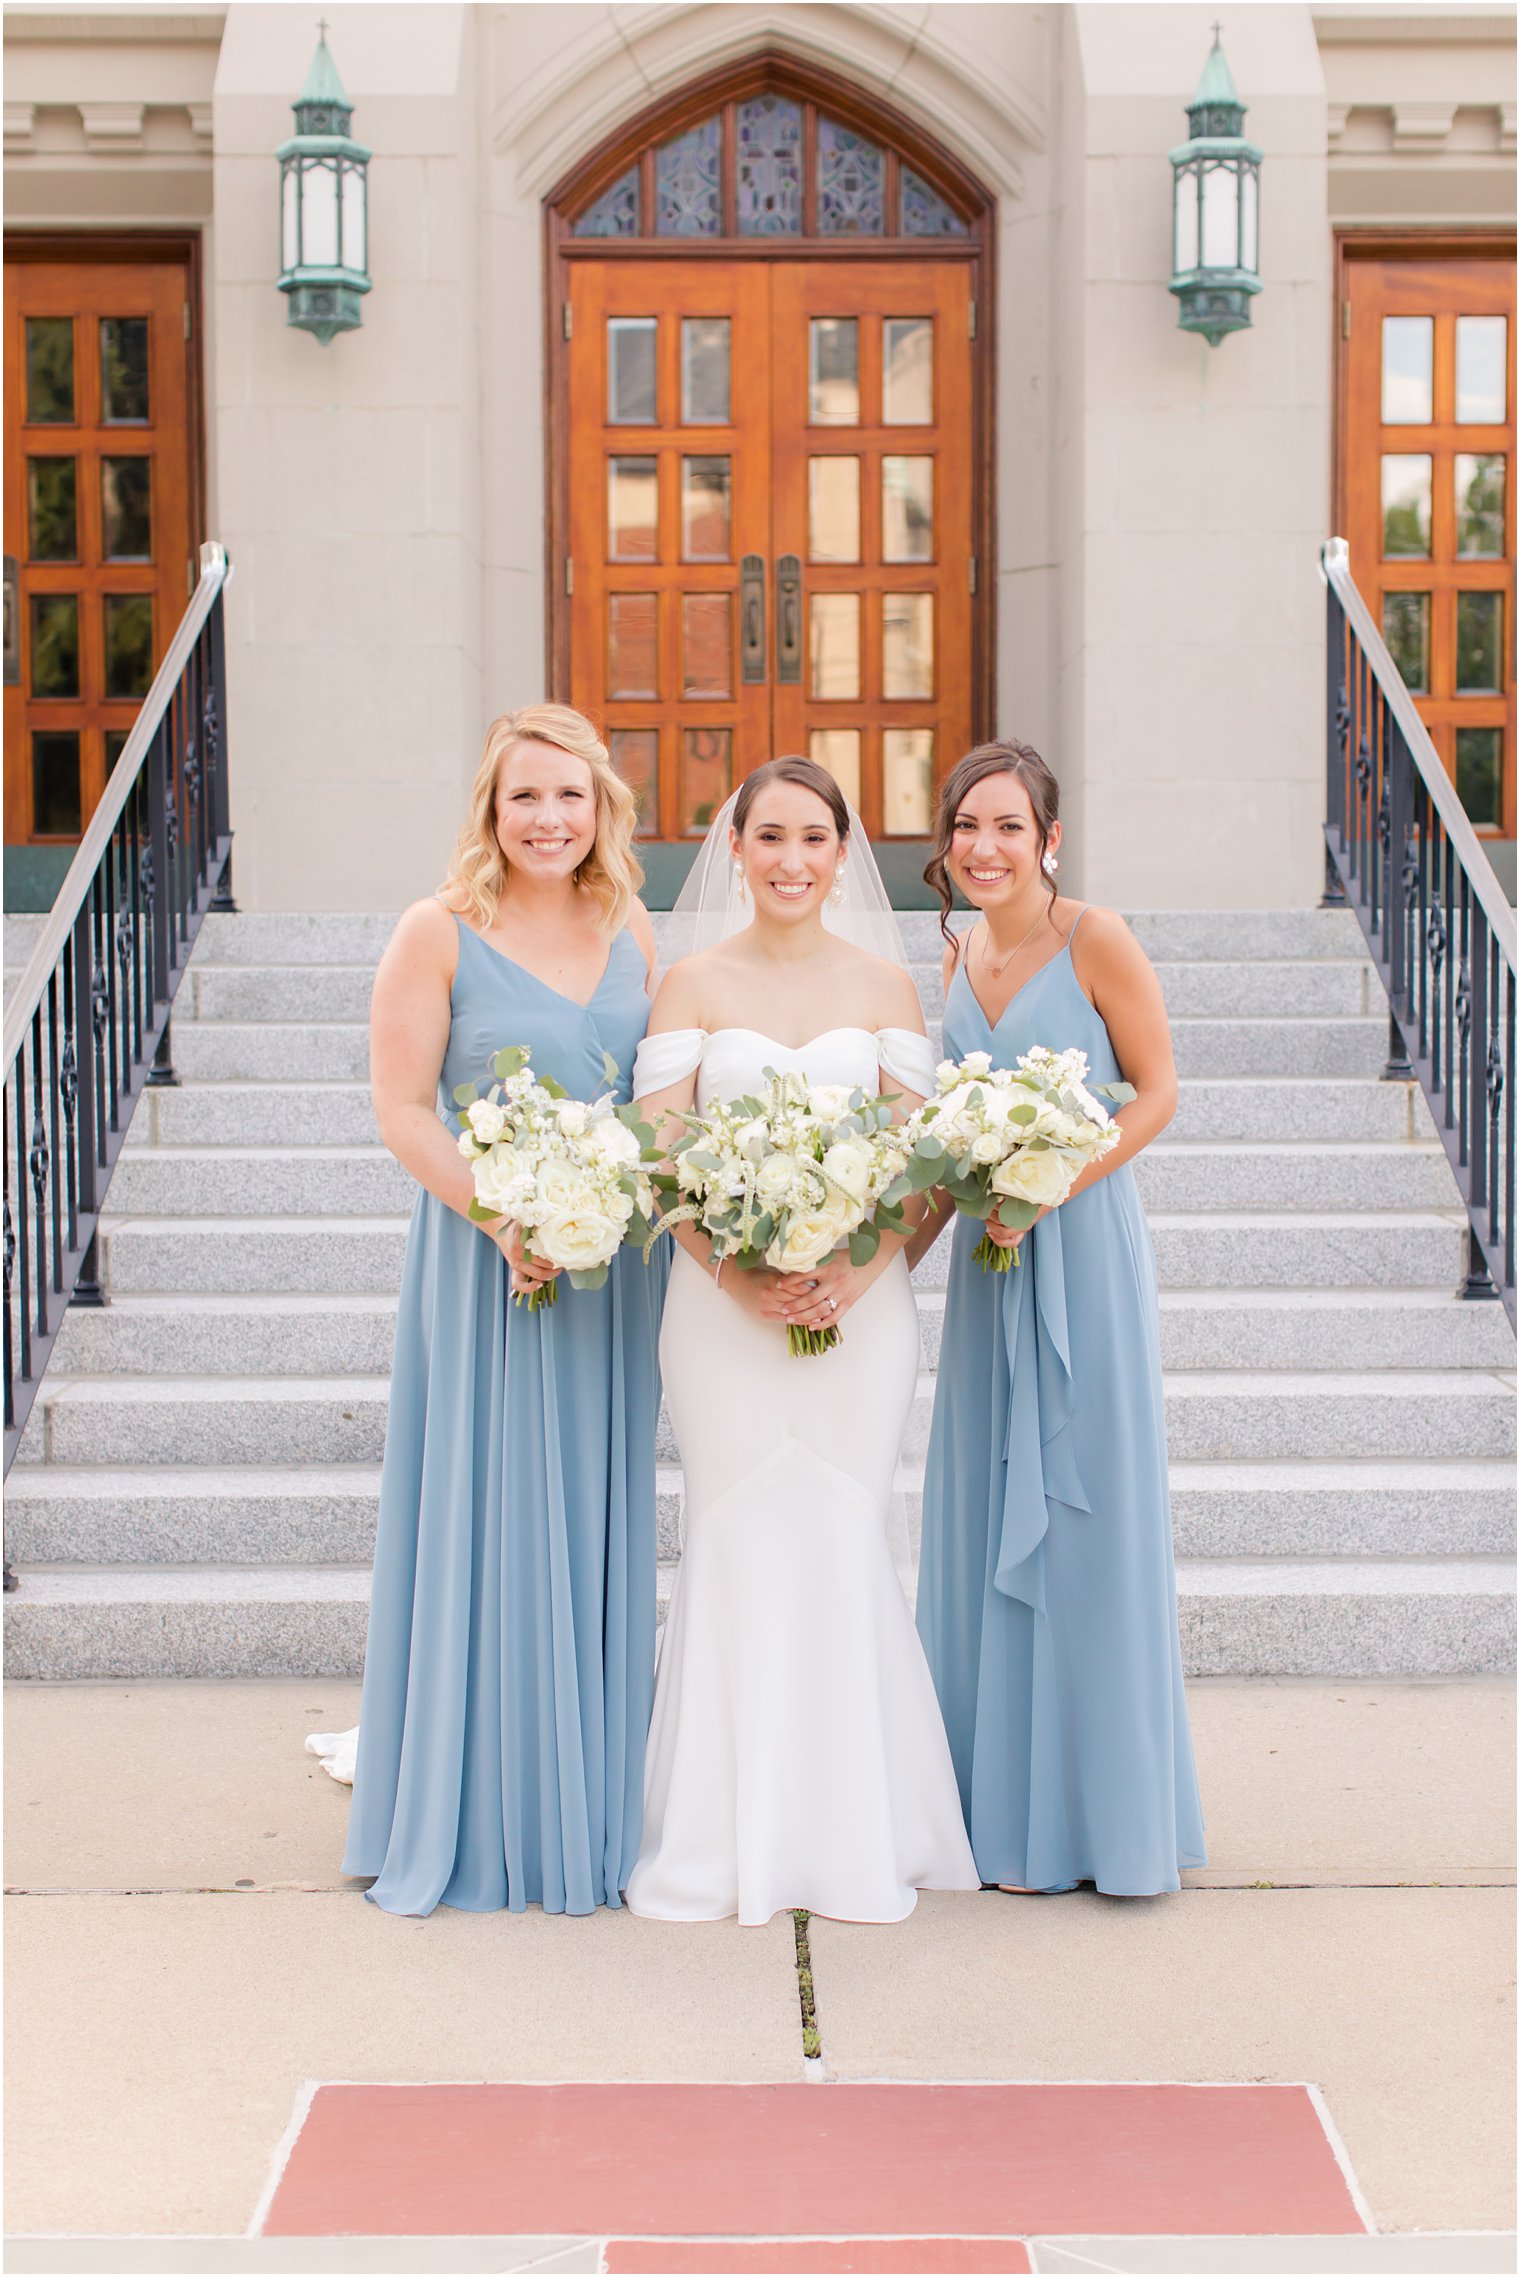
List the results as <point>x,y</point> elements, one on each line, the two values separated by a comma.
<point>864,1243</point>
<point>465,1094</point>
<point>511,1060</point>
<point>594,1277</point>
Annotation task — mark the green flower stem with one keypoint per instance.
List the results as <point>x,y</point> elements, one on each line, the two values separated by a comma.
<point>994,1258</point>
<point>805,1341</point>
<point>547,1293</point>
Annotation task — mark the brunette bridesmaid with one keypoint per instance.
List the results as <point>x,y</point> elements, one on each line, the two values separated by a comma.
<point>510,1668</point>
<point>1047,1598</point>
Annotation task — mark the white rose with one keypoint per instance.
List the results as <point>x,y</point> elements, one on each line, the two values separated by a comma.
<point>987,1148</point>
<point>560,1183</point>
<point>773,1179</point>
<point>976,1063</point>
<point>1042,1178</point>
<point>811,1235</point>
<point>613,1141</point>
<point>576,1240</point>
<point>848,1165</point>
<point>571,1116</point>
<point>499,1184</point>
<point>1093,1108</point>
<point>830,1102</point>
<point>753,1138</point>
<point>486,1119</point>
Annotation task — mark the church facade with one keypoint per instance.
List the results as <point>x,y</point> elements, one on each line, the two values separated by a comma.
<point>760,378</point>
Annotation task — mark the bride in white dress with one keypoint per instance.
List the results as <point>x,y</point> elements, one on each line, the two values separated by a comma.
<point>797,1757</point>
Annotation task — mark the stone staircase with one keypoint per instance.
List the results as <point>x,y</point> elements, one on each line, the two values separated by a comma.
<point>197,1489</point>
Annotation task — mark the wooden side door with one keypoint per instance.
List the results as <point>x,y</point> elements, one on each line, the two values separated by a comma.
<point>670,526</point>
<point>97,520</point>
<point>1428,495</point>
<point>873,442</point>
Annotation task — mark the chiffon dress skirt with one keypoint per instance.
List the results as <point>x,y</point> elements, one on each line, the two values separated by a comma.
<point>510,1668</point>
<point>797,1756</point>
<point>1047,1597</point>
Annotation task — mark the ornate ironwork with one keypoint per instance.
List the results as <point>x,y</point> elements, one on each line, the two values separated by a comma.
<point>90,1013</point>
<point>1440,931</point>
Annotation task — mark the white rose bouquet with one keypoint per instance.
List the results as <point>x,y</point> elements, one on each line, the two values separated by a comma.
<point>1011,1141</point>
<point>573,1173</point>
<point>787,1178</point>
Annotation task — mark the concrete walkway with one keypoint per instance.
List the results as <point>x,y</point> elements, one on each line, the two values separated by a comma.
<point>184,1955</point>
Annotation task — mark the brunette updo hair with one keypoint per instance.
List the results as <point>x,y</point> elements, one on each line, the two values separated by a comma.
<point>1020,760</point>
<point>808,776</point>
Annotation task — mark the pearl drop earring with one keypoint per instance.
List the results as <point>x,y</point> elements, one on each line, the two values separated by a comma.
<point>836,891</point>
<point>739,880</point>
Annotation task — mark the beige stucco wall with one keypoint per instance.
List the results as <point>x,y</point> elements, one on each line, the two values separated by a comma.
<point>1194,481</point>
<point>348,477</point>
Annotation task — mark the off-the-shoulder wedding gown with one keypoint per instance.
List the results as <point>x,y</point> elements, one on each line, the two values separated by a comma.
<point>797,1756</point>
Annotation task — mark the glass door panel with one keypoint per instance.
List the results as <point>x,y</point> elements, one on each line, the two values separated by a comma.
<point>1427,502</point>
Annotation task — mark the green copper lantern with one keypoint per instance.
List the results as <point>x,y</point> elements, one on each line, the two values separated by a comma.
<point>1216,180</point>
<point>324,196</point>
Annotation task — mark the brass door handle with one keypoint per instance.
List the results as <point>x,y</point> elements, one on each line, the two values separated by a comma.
<point>788,619</point>
<point>752,620</point>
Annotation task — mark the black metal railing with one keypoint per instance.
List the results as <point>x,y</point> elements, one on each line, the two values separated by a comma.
<point>1401,851</point>
<point>88,1026</point>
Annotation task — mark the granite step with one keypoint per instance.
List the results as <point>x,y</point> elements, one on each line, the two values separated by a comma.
<point>1302,1329</point>
<point>255,1334</point>
<point>1250,1250</point>
<point>1217,1416</point>
<point>1212,1110</point>
<point>325,1514</point>
<point>1168,936</point>
<point>1245,1617</point>
<point>294,1332</point>
<point>330,1181</point>
<point>1324,989</point>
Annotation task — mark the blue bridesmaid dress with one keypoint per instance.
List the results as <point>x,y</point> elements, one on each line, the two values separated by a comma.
<point>510,1668</point>
<point>1047,1599</point>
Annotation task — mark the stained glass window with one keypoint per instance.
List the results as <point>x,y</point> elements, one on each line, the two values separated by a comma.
<point>924,211</point>
<point>851,182</point>
<point>688,182</point>
<point>770,167</point>
<point>616,211</point>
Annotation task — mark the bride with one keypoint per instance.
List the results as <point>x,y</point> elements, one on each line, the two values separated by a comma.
<point>796,1757</point>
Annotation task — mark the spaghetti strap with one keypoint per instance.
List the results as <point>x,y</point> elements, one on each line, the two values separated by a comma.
<point>1076,921</point>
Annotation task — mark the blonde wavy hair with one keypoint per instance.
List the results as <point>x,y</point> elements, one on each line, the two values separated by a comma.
<point>611,872</point>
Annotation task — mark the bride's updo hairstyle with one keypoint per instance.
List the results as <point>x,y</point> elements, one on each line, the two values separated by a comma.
<point>1005,758</point>
<point>808,776</point>
<point>611,873</point>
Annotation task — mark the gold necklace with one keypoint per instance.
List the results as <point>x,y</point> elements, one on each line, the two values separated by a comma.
<point>999,970</point>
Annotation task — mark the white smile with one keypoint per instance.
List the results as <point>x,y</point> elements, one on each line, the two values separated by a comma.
<point>548,845</point>
<point>791,892</point>
<point>987,877</point>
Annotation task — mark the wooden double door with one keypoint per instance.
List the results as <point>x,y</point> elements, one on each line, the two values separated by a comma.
<point>770,526</point>
<point>99,517</point>
<point>1427,478</point>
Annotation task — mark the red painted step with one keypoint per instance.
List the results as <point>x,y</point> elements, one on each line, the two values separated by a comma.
<point>842,2161</point>
<point>909,2256</point>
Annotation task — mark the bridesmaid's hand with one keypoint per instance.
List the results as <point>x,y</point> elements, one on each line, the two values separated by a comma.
<point>1009,1237</point>
<point>527,1273</point>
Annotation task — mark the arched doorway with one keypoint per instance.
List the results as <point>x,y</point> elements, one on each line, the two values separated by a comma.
<point>771,494</point>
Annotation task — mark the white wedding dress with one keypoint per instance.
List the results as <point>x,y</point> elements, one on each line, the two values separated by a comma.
<point>797,1755</point>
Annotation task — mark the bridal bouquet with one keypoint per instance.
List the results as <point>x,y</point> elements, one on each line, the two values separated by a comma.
<point>787,1178</point>
<point>1011,1141</point>
<point>571,1172</point>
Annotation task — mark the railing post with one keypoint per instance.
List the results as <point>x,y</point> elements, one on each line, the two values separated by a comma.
<point>159,894</point>
<point>88,1293</point>
<point>1478,1287</point>
<point>161,1075</point>
<point>217,787</point>
<point>1337,721</point>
